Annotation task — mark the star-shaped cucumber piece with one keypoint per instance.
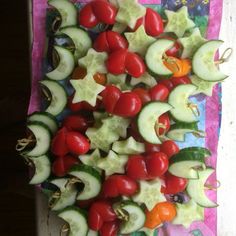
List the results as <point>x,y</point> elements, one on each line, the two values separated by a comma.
<point>205,87</point>
<point>139,41</point>
<point>94,62</point>
<point>178,22</point>
<point>91,159</point>
<point>86,90</point>
<point>188,213</point>
<point>146,79</point>
<point>149,193</point>
<point>129,12</point>
<point>191,43</point>
<point>113,163</point>
<point>119,81</point>
<point>128,147</point>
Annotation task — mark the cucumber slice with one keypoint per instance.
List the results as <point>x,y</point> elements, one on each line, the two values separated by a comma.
<point>119,27</point>
<point>129,12</point>
<point>184,164</point>
<point>146,79</point>
<point>149,232</point>
<point>136,217</point>
<point>43,138</point>
<point>91,159</point>
<point>67,11</point>
<point>68,193</point>
<point>149,193</point>
<point>80,39</point>
<point>113,163</point>
<point>178,130</point>
<point>178,22</point>
<point>147,120</point>
<point>204,87</point>
<point>49,120</point>
<point>42,167</point>
<point>188,213</point>
<point>128,147</point>
<point>178,98</point>
<point>58,99</point>
<point>77,221</point>
<point>203,62</point>
<point>204,152</point>
<point>154,57</point>
<point>65,66</point>
<point>92,233</point>
<point>196,187</point>
<point>90,178</point>
<point>119,81</point>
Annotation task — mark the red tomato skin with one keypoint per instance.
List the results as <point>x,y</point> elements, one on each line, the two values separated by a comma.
<point>153,23</point>
<point>134,65</point>
<point>174,184</point>
<point>149,147</point>
<point>58,145</point>
<point>180,80</point>
<point>116,62</point>
<point>165,120</point>
<point>109,229</point>
<point>143,95</point>
<point>116,41</point>
<point>169,147</point>
<point>139,22</point>
<point>95,220</point>
<point>128,105</point>
<point>101,43</point>
<point>159,92</point>
<point>110,96</point>
<point>157,164</point>
<point>167,83</point>
<point>174,51</point>
<point>77,143</point>
<point>136,168</point>
<point>104,12</point>
<point>87,17</point>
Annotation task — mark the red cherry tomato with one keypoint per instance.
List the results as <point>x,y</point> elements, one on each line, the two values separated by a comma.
<point>77,123</point>
<point>87,17</point>
<point>62,165</point>
<point>116,62</point>
<point>110,96</point>
<point>164,121</point>
<point>174,51</point>
<point>149,147</point>
<point>128,105</point>
<point>104,11</point>
<point>143,95</point>
<point>109,228</point>
<point>133,131</point>
<point>167,83</point>
<point>159,92</point>
<point>180,80</point>
<point>58,146</point>
<point>77,143</point>
<point>134,65</point>
<point>136,167</point>
<point>169,147</point>
<point>174,184</point>
<point>157,164</point>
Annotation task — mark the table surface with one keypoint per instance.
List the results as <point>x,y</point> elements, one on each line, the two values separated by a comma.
<point>226,165</point>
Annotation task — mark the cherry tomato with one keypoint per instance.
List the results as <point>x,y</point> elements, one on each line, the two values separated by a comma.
<point>174,184</point>
<point>163,124</point>
<point>136,167</point>
<point>133,131</point>
<point>134,65</point>
<point>170,148</point>
<point>63,164</point>
<point>128,105</point>
<point>58,146</point>
<point>77,123</point>
<point>166,211</point>
<point>77,143</point>
<point>79,73</point>
<point>109,228</point>
<point>143,95</point>
<point>180,80</point>
<point>167,83</point>
<point>159,92</point>
<point>174,51</point>
<point>149,147</point>
<point>152,219</point>
<point>85,203</point>
<point>87,17</point>
<point>116,62</point>
<point>157,164</point>
<point>110,96</point>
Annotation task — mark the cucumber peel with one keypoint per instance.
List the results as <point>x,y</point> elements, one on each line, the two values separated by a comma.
<point>146,79</point>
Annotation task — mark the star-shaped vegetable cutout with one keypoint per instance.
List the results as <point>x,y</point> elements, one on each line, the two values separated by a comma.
<point>188,213</point>
<point>113,163</point>
<point>149,193</point>
<point>191,43</point>
<point>119,81</point>
<point>139,41</point>
<point>86,90</point>
<point>94,62</point>
<point>91,159</point>
<point>129,12</point>
<point>178,22</point>
<point>146,79</point>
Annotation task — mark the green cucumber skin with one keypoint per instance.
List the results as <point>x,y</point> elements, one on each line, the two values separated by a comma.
<point>203,151</point>
<point>191,156</point>
<point>182,125</point>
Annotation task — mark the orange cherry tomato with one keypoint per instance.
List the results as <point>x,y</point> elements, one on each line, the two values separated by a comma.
<point>166,211</point>
<point>152,219</point>
<point>100,78</point>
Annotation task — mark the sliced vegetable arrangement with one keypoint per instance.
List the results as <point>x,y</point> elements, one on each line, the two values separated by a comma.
<point>116,100</point>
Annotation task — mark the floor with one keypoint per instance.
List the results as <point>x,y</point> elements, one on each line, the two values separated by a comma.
<point>17,211</point>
